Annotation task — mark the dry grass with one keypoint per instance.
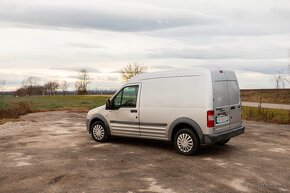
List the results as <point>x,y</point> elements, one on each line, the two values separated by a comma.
<point>278,96</point>
<point>279,116</point>
<point>14,110</point>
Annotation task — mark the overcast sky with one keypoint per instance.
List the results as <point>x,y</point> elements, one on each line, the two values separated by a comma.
<point>54,39</point>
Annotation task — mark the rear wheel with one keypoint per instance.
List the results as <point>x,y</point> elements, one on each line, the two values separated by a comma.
<point>186,142</point>
<point>99,132</point>
<point>223,142</point>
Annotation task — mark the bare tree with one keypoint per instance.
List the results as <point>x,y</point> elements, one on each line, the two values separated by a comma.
<point>83,80</point>
<point>277,80</point>
<point>30,83</point>
<point>51,87</point>
<point>281,79</point>
<point>63,86</point>
<point>132,70</point>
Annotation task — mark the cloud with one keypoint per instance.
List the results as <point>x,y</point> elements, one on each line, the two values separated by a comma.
<point>225,29</point>
<point>262,66</point>
<point>165,67</point>
<point>248,67</point>
<point>85,45</point>
<point>100,17</point>
<point>74,69</point>
<point>218,53</point>
<point>104,78</point>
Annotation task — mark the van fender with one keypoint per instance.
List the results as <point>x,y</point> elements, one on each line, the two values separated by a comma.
<point>102,118</point>
<point>188,121</point>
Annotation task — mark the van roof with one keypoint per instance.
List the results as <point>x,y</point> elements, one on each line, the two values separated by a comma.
<point>176,73</point>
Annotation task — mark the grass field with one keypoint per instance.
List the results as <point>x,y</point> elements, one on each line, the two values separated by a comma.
<point>48,103</point>
<point>13,107</point>
<point>278,96</point>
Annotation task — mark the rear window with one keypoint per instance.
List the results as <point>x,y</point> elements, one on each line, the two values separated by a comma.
<point>226,93</point>
<point>234,92</point>
<point>220,94</point>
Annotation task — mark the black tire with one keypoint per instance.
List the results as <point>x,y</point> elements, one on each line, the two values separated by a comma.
<point>186,142</point>
<point>99,131</point>
<point>223,142</point>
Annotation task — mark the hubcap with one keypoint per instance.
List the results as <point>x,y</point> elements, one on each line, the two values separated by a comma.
<point>98,132</point>
<point>184,142</point>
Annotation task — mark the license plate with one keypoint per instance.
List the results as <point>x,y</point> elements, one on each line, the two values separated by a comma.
<point>222,119</point>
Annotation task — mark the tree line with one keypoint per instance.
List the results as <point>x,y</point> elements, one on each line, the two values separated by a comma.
<point>31,85</point>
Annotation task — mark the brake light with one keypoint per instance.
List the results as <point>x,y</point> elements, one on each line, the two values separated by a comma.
<point>210,118</point>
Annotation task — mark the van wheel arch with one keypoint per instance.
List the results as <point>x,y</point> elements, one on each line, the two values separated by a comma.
<point>184,122</point>
<point>103,120</point>
<point>183,126</point>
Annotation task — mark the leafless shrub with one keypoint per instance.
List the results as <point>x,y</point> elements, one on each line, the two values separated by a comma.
<point>15,110</point>
<point>132,70</point>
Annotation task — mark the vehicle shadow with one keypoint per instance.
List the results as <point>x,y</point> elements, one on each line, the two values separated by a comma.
<point>209,150</point>
<point>205,150</point>
<point>136,142</point>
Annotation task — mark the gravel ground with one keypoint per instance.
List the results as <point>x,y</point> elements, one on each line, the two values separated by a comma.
<point>52,152</point>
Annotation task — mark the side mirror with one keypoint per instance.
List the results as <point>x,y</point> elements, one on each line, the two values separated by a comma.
<point>108,104</point>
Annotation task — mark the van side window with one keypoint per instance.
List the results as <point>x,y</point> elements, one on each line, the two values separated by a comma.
<point>117,100</point>
<point>127,97</point>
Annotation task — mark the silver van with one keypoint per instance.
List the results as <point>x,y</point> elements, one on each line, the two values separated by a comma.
<point>189,108</point>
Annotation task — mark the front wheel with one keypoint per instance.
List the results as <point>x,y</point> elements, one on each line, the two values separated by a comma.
<point>99,132</point>
<point>186,142</point>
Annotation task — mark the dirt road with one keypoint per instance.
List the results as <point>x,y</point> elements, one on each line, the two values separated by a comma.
<point>52,152</point>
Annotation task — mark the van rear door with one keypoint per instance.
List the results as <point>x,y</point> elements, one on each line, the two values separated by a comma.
<point>221,105</point>
<point>227,105</point>
<point>220,101</point>
<point>234,100</point>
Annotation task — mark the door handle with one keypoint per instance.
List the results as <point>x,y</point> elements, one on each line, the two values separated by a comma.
<point>133,111</point>
<point>233,107</point>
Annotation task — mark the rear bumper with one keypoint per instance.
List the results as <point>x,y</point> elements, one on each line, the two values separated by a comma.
<point>217,137</point>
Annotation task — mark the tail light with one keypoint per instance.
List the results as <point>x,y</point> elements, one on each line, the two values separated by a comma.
<point>210,118</point>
